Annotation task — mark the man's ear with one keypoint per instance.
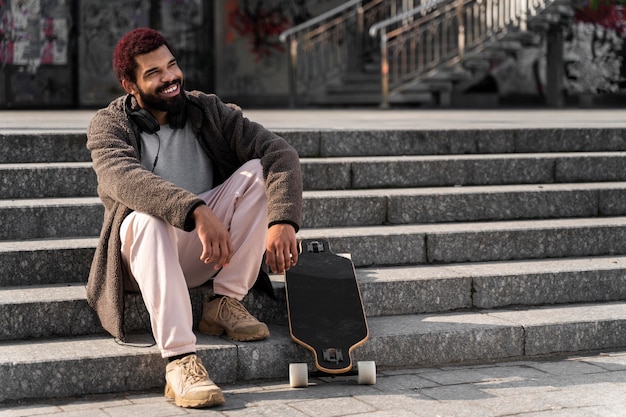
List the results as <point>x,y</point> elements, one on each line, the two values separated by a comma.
<point>129,86</point>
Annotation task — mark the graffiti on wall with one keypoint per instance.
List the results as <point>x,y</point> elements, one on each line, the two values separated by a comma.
<point>34,52</point>
<point>261,22</point>
<point>593,52</point>
<point>183,24</point>
<point>102,25</point>
<point>252,59</point>
<point>34,32</point>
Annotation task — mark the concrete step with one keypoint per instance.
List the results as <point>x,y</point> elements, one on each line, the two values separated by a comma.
<point>341,208</point>
<point>476,242</point>
<point>41,180</point>
<point>450,170</point>
<point>73,217</point>
<point>42,368</point>
<point>38,311</point>
<point>30,181</point>
<point>507,139</point>
<point>47,147</point>
<point>43,262</point>
<point>59,261</point>
<point>50,218</point>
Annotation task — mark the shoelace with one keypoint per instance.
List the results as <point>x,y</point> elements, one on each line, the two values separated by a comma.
<point>229,307</point>
<point>195,370</point>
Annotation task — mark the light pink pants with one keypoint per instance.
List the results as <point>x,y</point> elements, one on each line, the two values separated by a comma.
<point>165,261</point>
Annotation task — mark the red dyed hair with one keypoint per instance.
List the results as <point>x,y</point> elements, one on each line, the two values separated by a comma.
<point>136,42</point>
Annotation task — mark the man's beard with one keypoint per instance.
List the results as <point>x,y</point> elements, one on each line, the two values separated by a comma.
<point>171,105</point>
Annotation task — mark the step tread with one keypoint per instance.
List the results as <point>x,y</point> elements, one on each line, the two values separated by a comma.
<point>464,227</point>
<point>466,189</point>
<point>31,294</point>
<point>467,157</point>
<point>44,165</point>
<point>48,244</point>
<point>50,202</point>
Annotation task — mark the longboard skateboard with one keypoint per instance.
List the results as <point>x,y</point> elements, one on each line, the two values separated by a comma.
<point>325,312</point>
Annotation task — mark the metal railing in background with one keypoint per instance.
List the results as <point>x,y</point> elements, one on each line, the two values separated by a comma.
<point>334,43</point>
<point>415,44</point>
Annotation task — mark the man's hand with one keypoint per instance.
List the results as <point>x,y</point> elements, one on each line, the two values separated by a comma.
<point>282,248</point>
<point>217,246</point>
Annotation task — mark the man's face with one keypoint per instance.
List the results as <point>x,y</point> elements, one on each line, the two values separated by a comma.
<point>159,83</point>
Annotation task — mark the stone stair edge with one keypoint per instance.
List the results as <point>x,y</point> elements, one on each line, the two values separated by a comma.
<point>344,208</point>
<point>420,340</point>
<point>336,142</point>
<point>61,309</point>
<point>387,244</point>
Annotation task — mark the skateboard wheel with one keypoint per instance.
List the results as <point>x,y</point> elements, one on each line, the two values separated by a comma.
<point>367,372</point>
<point>298,375</point>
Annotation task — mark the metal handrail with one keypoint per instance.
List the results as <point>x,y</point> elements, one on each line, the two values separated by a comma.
<point>404,16</point>
<point>319,19</point>
<point>450,30</point>
<point>332,44</point>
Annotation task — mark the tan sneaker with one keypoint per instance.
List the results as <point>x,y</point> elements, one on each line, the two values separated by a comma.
<point>228,315</point>
<point>188,383</point>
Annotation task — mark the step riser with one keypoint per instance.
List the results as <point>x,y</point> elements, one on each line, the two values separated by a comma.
<point>51,222</point>
<point>47,182</point>
<point>44,147</point>
<point>367,210</point>
<point>42,267</point>
<point>412,208</point>
<point>491,245</point>
<point>372,173</point>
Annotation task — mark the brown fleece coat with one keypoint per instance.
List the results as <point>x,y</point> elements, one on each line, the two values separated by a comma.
<point>227,137</point>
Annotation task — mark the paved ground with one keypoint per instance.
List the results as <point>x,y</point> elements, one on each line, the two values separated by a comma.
<point>593,385</point>
<point>582,386</point>
<point>357,119</point>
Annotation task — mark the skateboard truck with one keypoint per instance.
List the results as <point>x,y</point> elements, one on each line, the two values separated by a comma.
<point>315,247</point>
<point>333,355</point>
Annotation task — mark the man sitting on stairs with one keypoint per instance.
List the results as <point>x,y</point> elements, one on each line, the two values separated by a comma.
<point>192,190</point>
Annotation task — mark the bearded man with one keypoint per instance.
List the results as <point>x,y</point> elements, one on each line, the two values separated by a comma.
<point>192,191</point>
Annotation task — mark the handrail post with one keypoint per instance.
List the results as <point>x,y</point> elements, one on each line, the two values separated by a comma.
<point>524,15</point>
<point>461,35</point>
<point>293,71</point>
<point>384,71</point>
<point>360,37</point>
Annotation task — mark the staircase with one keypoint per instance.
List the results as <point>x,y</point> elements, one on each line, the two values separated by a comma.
<point>471,246</point>
<point>377,52</point>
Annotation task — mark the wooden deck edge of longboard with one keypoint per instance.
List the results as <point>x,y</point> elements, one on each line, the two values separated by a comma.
<point>327,370</point>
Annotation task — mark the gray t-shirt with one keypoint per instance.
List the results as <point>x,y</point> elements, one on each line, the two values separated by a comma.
<point>176,156</point>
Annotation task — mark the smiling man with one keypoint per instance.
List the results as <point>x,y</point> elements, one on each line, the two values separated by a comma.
<point>192,190</point>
